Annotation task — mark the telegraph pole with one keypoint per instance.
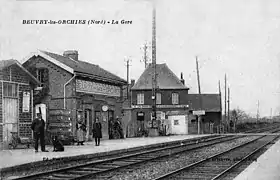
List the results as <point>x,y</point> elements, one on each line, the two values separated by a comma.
<point>127,75</point>
<point>145,57</point>
<point>200,98</point>
<point>228,107</point>
<point>258,111</point>
<point>226,100</point>
<point>154,76</point>
<point>220,93</point>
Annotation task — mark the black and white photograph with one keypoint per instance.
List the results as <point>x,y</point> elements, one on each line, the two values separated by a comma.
<point>139,89</point>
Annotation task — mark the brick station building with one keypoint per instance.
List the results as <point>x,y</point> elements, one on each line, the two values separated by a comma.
<point>175,105</point>
<point>16,100</point>
<point>83,90</point>
<point>171,99</point>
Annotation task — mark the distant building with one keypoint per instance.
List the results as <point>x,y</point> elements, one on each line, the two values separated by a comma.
<point>175,106</point>
<point>16,101</point>
<point>211,104</point>
<point>75,88</point>
<point>172,102</point>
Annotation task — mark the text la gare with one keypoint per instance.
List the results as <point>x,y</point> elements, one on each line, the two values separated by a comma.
<point>121,22</point>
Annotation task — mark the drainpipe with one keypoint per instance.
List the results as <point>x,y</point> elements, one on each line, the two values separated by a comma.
<point>65,90</point>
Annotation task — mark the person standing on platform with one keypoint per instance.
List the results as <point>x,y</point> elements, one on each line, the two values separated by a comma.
<point>80,132</point>
<point>38,128</point>
<point>97,132</point>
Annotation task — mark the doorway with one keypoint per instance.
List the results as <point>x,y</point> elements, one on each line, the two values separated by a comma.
<point>10,110</point>
<point>87,116</point>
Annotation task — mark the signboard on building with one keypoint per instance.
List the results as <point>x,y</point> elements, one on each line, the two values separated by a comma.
<point>161,106</point>
<point>26,102</point>
<point>200,112</point>
<point>97,88</point>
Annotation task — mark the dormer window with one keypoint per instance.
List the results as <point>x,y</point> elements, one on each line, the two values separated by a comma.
<point>140,98</point>
<point>41,75</point>
<point>175,98</point>
<point>158,98</point>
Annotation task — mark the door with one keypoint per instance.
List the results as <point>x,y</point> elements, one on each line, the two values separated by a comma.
<point>87,119</point>
<point>10,117</point>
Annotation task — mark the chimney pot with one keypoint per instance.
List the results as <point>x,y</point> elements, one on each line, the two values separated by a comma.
<point>132,82</point>
<point>73,54</point>
<point>182,79</point>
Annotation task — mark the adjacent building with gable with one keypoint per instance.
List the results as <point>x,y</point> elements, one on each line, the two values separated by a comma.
<point>171,100</point>
<point>72,89</point>
<point>175,106</point>
<point>16,101</point>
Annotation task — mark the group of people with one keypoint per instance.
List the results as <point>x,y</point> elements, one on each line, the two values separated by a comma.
<point>96,132</point>
<point>38,128</point>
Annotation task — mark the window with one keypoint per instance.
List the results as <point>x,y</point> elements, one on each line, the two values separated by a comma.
<point>176,122</point>
<point>140,98</point>
<point>40,75</point>
<point>10,90</point>
<point>175,98</point>
<point>158,98</point>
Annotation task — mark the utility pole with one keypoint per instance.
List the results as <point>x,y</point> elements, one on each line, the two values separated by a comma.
<point>127,75</point>
<point>154,76</point>
<point>226,101</point>
<point>228,107</point>
<point>145,57</point>
<point>220,93</point>
<point>200,98</point>
<point>258,111</point>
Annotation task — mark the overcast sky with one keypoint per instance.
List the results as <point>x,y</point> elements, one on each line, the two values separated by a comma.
<point>238,37</point>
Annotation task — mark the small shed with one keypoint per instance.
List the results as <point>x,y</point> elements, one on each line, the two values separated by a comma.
<point>16,100</point>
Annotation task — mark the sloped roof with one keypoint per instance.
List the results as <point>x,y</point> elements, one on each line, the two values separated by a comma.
<point>7,63</point>
<point>166,79</point>
<point>211,102</point>
<point>85,67</point>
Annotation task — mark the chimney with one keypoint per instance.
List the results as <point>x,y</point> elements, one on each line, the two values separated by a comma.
<point>73,54</point>
<point>182,79</point>
<point>132,82</point>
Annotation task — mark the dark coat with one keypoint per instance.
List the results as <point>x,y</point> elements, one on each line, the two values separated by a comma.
<point>38,125</point>
<point>97,130</point>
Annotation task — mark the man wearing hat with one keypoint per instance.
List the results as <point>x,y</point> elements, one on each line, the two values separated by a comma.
<point>38,127</point>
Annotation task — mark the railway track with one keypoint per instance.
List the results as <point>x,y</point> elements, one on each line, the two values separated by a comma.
<point>220,165</point>
<point>98,168</point>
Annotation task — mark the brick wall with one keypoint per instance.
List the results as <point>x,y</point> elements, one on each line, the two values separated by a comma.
<point>1,115</point>
<point>57,76</point>
<point>18,75</point>
<point>25,118</point>
<point>15,74</point>
<point>5,74</point>
<point>166,96</point>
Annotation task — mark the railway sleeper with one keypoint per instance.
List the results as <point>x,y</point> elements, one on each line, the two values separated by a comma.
<point>122,163</point>
<point>107,166</point>
<point>78,172</point>
<point>90,169</point>
<point>51,178</point>
<point>111,166</point>
<point>60,175</point>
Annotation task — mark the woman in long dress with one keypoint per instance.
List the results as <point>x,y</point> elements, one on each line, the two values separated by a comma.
<point>80,133</point>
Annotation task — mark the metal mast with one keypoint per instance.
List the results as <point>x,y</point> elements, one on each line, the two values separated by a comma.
<point>154,76</point>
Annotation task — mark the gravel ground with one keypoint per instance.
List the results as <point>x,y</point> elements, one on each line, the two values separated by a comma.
<point>155,169</point>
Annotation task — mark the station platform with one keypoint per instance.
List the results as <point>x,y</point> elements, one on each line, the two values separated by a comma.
<point>17,157</point>
<point>266,167</point>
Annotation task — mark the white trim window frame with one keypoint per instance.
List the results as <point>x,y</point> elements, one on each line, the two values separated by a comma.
<point>158,98</point>
<point>175,98</point>
<point>140,98</point>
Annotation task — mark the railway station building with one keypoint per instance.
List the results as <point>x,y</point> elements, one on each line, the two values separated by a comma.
<point>16,101</point>
<point>72,89</point>
<point>175,106</point>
